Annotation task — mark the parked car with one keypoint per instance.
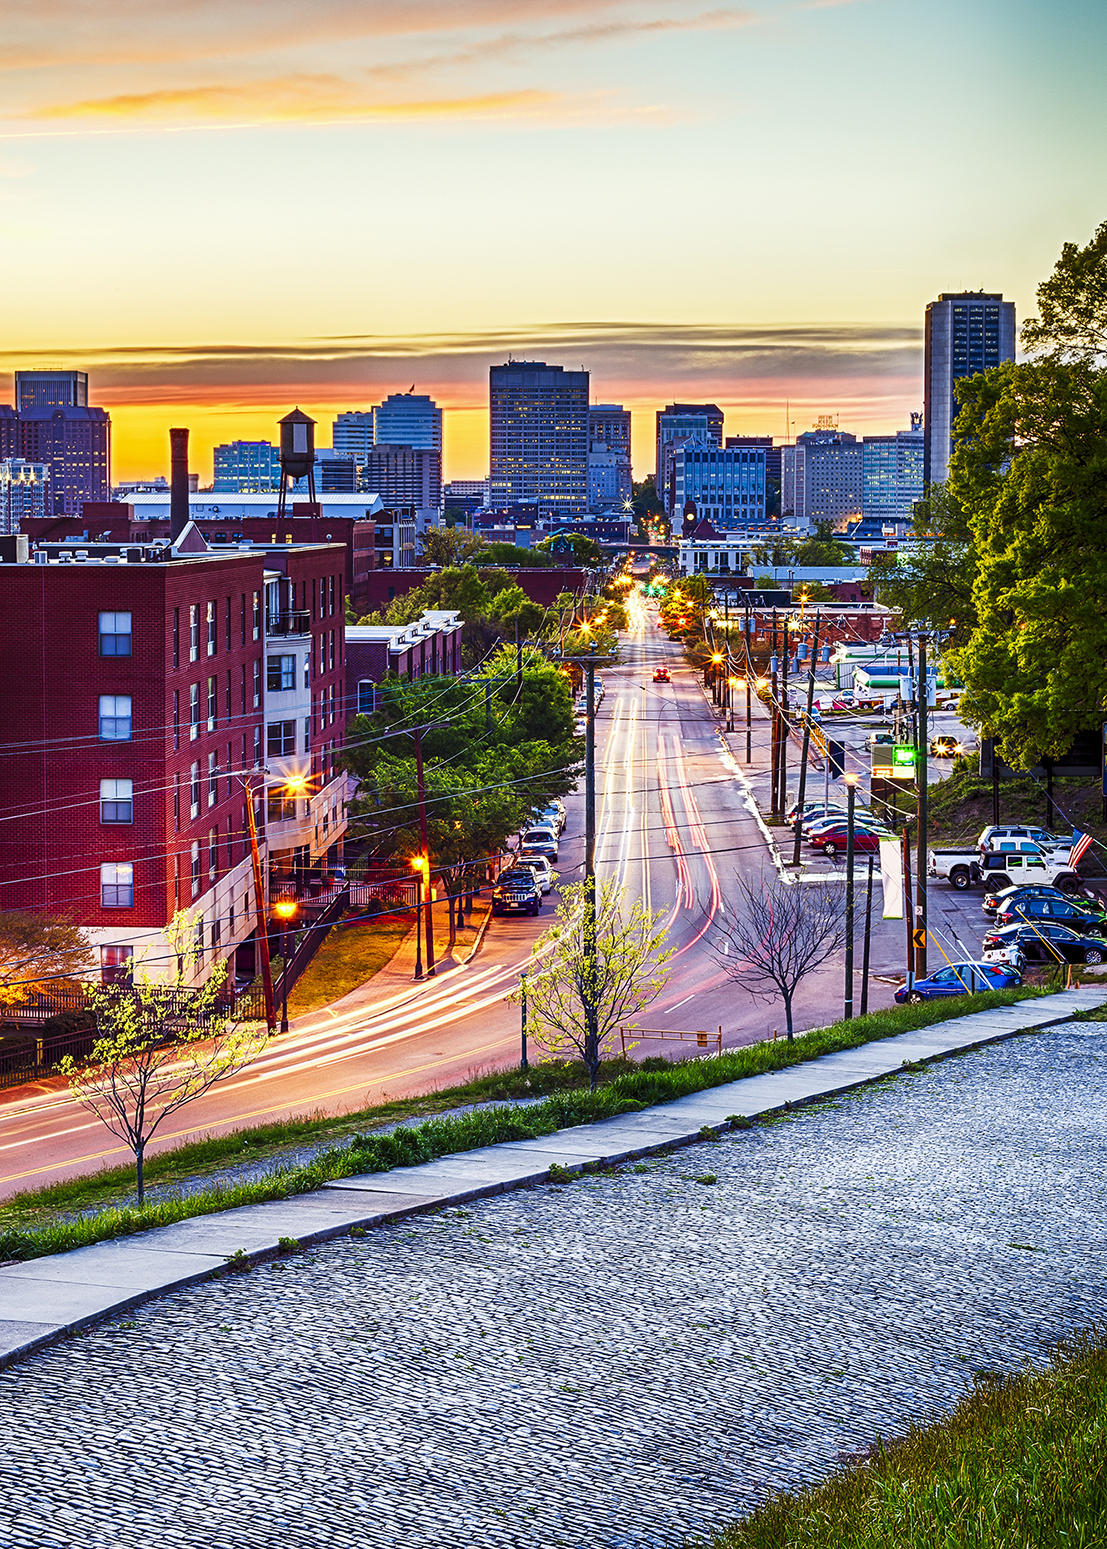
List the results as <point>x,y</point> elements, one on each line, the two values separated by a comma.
<point>813,810</point>
<point>1018,944</point>
<point>877,739</point>
<point>661,675</point>
<point>826,817</point>
<point>541,867</point>
<point>838,820</point>
<point>965,868</point>
<point>945,747</point>
<point>959,979</point>
<point>553,817</point>
<point>517,892</point>
<point>996,897</point>
<point>866,841</point>
<point>1084,918</point>
<point>1008,837</point>
<point>540,841</point>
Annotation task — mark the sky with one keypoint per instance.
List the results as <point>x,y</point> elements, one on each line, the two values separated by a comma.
<point>222,208</point>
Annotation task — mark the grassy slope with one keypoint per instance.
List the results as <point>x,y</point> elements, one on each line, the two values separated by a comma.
<point>347,959</point>
<point>34,1224</point>
<point>1020,1464</point>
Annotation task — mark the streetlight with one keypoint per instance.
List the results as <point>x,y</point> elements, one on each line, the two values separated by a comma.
<point>285,910</point>
<point>851,790</point>
<point>421,865</point>
<point>731,685</point>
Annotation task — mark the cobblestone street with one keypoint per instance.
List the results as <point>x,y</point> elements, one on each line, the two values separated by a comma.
<point>627,1360</point>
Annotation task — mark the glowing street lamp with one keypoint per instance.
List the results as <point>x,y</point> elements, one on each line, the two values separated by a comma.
<point>421,865</point>
<point>285,910</point>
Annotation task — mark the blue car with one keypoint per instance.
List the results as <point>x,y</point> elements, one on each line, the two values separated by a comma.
<point>959,979</point>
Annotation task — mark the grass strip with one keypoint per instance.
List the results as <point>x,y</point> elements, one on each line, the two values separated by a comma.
<point>348,958</point>
<point>1019,1464</point>
<point>626,1087</point>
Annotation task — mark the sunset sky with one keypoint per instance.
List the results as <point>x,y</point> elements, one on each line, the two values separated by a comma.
<point>221,208</point>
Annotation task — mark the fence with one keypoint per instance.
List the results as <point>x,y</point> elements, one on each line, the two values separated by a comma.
<point>703,1039</point>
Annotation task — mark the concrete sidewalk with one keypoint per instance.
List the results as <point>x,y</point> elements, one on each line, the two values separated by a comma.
<point>45,1299</point>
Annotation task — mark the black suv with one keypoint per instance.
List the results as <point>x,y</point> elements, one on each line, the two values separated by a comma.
<point>517,892</point>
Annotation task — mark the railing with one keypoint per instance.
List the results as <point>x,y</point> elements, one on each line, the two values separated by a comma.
<point>297,623</point>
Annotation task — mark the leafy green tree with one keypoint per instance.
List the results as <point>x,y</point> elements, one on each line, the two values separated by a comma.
<point>930,580</point>
<point>158,1047</point>
<point>601,970</point>
<point>513,610</point>
<point>823,549</point>
<point>585,551</point>
<point>1030,472</point>
<point>1072,305</point>
<point>448,546</point>
<point>38,952</point>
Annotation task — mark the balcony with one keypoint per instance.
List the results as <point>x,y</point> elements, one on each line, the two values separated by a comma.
<point>283,624</point>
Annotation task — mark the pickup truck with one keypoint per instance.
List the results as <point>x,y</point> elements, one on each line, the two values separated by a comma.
<point>968,868</point>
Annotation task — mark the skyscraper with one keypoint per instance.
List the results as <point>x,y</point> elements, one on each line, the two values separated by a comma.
<point>676,422</point>
<point>353,432</point>
<point>609,469</point>
<point>966,332</point>
<point>893,473</point>
<point>246,468</point>
<point>408,419</point>
<point>539,438</point>
<point>51,390</point>
<point>76,445</point>
<point>403,476</point>
<point>24,492</point>
<point>822,478</point>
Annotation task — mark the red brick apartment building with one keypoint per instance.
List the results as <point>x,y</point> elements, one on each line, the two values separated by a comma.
<point>148,687</point>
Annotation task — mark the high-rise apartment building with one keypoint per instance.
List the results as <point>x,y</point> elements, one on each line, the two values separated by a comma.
<point>75,443</point>
<point>352,432</point>
<point>966,332</point>
<point>772,468</point>
<point>675,423</point>
<point>539,438</point>
<point>24,492</point>
<point>892,471</point>
<point>246,468</point>
<point>11,435</point>
<point>51,390</point>
<point>610,481</point>
<point>408,419</point>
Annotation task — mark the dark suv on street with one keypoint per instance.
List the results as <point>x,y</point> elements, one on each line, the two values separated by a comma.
<point>517,892</point>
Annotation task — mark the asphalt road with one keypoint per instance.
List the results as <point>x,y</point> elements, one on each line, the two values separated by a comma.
<point>674,824</point>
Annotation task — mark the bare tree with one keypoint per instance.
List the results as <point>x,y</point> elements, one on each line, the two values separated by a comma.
<point>157,1047</point>
<point>600,971</point>
<point>781,932</point>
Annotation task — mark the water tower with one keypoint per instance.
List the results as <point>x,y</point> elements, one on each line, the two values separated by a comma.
<point>297,454</point>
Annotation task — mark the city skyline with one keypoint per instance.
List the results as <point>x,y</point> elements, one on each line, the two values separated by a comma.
<point>728,243</point>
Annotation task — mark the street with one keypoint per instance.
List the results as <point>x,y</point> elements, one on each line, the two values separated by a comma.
<point>675,823</point>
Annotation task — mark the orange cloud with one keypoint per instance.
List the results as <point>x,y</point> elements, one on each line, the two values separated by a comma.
<point>314,97</point>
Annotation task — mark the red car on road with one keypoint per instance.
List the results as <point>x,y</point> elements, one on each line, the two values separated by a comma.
<point>661,675</point>
<point>832,841</point>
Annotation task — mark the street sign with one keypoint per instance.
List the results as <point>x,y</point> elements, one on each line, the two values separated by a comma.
<point>919,939</point>
<point>903,753</point>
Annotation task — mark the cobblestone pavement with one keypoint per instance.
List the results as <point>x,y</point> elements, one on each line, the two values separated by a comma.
<point>628,1360</point>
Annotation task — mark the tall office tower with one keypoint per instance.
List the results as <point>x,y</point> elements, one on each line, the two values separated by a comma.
<point>24,492</point>
<point>676,422</point>
<point>246,468</point>
<point>404,476</point>
<point>893,473</point>
<point>727,484</point>
<point>353,432</point>
<point>772,468</point>
<point>408,419</point>
<point>539,438</point>
<point>11,438</point>
<point>76,445</point>
<point>51,390</point>
<point>822,478</point>
<point>966,332</point>
<point>610,481</point>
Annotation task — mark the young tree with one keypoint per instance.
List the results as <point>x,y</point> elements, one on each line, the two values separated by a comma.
<point>602,970</point>
<point>37,951</point>
<point>158,1046</point>
<point>779,933</point>
<point>930,581</point>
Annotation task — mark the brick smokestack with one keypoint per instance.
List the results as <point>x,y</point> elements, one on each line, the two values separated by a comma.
<point>178,484</point>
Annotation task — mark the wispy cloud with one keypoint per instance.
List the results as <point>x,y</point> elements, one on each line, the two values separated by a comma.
<point>756,362</point>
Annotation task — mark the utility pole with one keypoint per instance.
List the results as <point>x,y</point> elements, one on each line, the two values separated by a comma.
<point>524,1063</point>
<point>259,910</point>
<point>774,734</point>
<point>426,892</point>
<point>851,786</point>
<point>921,775</point>
<point>868,941</point>
<point>806,744</point>
<point>782,754</point>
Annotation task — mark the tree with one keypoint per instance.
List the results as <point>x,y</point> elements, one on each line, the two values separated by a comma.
<point>513,610</point>
<point>158,1047</point>
<point>1030,471</point>
<point>930,579</point>
<point>601,971</point>
<point>779,933</point>
<point>448,546</point>
<point>585,551</point>
<point>1072,305</point>
<point>824,549</point>
<point>37,951</point>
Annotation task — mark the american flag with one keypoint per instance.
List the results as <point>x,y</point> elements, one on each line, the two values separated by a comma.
<point>1081,843</point>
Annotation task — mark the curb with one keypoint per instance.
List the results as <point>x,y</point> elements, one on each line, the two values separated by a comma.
<point>463,1176</point>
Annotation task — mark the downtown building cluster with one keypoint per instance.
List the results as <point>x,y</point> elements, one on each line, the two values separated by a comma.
<point>55,450</point>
